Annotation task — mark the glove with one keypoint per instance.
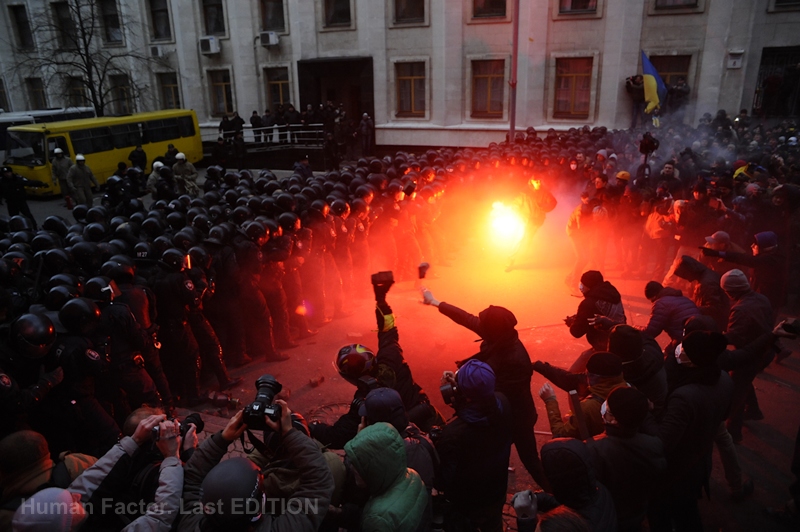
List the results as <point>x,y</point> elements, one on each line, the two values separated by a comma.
<point>525,504</point>
<point>51,379</point>
<point>708,252</point>
<point>381,290</point>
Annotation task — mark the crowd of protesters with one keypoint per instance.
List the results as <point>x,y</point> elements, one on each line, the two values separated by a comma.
<point>110,318</point>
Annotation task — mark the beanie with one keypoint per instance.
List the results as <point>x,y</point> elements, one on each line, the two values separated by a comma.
<point>385,404</point>
<point>591,278</point>
<point>625,342</point>
<point>604,364</point>
<point>699,323</point>
<point>49,510</point>
<point>476,380</point>
<point>496,322</point>
<point>629,406</point>
<point>703,347</point>
<point>766,239</point>
<point>652,289</point>
<point>734,282</point>
<point>21,450</point>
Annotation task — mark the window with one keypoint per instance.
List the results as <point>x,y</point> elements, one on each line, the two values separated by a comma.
<point>488,8</point>
<point>667,4</point>
<point>272,15</point>
<point>125,135</point>
<point>573,87</point>
<point>277,87</point>
<point>406,11</point>
<point>160,28</point>
<point>214,17</point>
<point>3,97</point>
<point>671,67</point>
<point>221,92</point>
<point>121,101</point>
<point>186,126</point>
<point>76,93</point>
<point>65,26</point>
<point>410,89</point>
<point>337,12</point>
<point>36,95</point>
<point>170,92</point>
<point>488,79</point>
<point>112,30</point>
<point>572,6</point>
<point>22,26</point>
<point>162,130</point>
<point>86,141</point>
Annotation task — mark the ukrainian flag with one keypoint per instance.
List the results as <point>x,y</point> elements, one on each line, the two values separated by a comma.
<point>655,92</point>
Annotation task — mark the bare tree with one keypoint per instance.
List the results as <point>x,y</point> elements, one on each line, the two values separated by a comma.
<point>80,46</point>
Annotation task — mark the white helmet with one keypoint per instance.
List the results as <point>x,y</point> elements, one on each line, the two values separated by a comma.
<point>80,157</point>
<point>58,151</point>
<point>157,165</point>
<point>181,156</point>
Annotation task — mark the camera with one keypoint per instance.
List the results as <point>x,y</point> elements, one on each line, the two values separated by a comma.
<point>184,427</point>
<point>364,385</point>
<point>255,413</point>
<point>648,144</point>
<point>449,391</point>
<point>382,278</point>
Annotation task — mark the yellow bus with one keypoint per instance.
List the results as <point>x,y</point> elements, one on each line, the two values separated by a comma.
<point>104,142</point>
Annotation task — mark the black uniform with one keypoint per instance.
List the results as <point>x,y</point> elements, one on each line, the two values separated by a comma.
<point>207,340</point>
<point>12,189</point>
<point>274,254</point>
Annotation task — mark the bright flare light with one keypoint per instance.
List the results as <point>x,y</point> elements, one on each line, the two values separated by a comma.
<point>507,226</point>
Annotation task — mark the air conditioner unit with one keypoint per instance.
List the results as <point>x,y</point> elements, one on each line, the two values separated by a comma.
<point>156,51</point>
<point>209,45</point>
<point>268,38</point>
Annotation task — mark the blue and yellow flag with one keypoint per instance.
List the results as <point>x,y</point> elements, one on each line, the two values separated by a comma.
<point>655,92</point>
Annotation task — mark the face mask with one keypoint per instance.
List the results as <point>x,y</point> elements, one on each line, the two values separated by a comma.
<point>581,287</point>
<point>604,408</point>
<point>680,356</point>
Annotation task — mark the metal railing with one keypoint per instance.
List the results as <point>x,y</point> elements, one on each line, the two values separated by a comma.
<point>276,137</point>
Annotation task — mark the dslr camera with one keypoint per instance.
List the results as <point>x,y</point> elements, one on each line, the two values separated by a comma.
<point>648,144</point>
<point>255,413</point>
<point>364,385</point>
<point>184,427</point>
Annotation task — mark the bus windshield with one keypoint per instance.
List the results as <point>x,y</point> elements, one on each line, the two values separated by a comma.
<point>25,148</point>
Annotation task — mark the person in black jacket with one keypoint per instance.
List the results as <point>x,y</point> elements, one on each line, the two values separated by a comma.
<point>502,349</point>
<point>359,366</point>
<point>600,298</point>
<point>12,189</point>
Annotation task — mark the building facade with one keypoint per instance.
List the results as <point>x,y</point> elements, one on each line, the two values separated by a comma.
<point>430,72</point>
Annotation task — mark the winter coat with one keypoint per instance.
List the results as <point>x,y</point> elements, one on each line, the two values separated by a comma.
<point>670,310</point>
<point>768,274</point>
<point>647,374</point>
<point>508,359</point>
<point>629,464</point>
<point>751,316</point>
<point>590,405</point>
<point>398,497</point>
<point>602,299</point>
<point>60,167</point>
<point>707,293</point>
<point>80,175</point>
<point>688,426</point>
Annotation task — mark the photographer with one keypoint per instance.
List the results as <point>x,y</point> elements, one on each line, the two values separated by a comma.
<point>503,351</point>
<point>359,366</point>
<point>231,494</point>
<point>64,509</point>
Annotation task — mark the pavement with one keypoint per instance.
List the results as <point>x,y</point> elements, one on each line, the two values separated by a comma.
<point>473,277</point>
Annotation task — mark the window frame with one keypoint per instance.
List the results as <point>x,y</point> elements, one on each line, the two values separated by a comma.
<point>65,40</point>
<point>469,81</point>
<point>688,68</point>
<point>394,88</point>
<point>599,12</point>
<point>285,28</point>
<point>652,10</point>
<point>204,4</point>
<point>101,4</point>
<point>324,27</point>
<point>14,9</point>
<point>209,72</point>
<point>265,69</point>
<point>550,96</point>
<point>32,91</point>
<point>425,21</point>
<point>174,89</point>
<point>152,22</point>
<point>5,104</point>
<point>121,93</point>
<point>71,85</point>
<point>774,7</point>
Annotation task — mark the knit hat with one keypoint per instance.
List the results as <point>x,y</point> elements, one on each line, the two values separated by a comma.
<point>734,281</point>
<point>623,175</point>
<point>625,342</point>
<point>591,279</point>
<point>699,323</point>
<point>385,404</point>
<point>604,364</point>
<point>652,289</point>
<point>49,510</point>
<point>766,239</point>
<point>496,322</point>
<point>703,347</point>
<point>21,450</point>
<point>476,380</point>
<point>628,405</point>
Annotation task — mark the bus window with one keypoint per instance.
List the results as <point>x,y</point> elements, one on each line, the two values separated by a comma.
<point>58,142</point>
<point>163,130</point>
<point>186,126</point>
<point>25,148</point>
<point>125,135</point>
<point>86,141</point>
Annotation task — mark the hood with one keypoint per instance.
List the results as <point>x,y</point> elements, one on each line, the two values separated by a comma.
<point>497,323</point>
<point>605,291</point>
<point>690,269</point>
<point>378,453</point>
<point>568,467</point>
<point>668,291</point>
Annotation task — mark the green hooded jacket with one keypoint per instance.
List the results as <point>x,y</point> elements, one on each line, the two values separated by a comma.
<point>397,495</point>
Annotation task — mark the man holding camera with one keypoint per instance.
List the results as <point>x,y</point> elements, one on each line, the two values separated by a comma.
<point>359,366</point>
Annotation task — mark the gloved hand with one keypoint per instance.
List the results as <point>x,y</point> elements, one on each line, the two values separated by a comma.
<point>525,504</point>
<point>381,290</point>
<point>51,379</point>
<point>708,252</point>
<point>428,299</point>
<point>601,322</point>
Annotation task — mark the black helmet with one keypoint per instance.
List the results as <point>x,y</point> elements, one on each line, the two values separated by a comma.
<point>87,256</point>
<point>340,208</point>
<point>233,487</point>
<point>99,290</point>
<point>64,279</point>
<point>174,260</point>
<point>176,220</point>
<point>285,202</point>
<point>202,222</point>
<point>241,214</point>
<point>56,224</point>
<point>96,214</point>
<point>79,316</point>
<point>289,222</point>
<point>122,273</point>
<point>19,223</point>
<point>32,335</point>
<point>257,232</point>
<point>79,213</point>
<point>217,235</point>
<point>200,258</point>
<point>94,232</point>
<point>354,361</point>
<point>152,227</point>
<point>55,260</point>
<point>144,250</point>
<point>58,296</point>
<point>183,240</point>
<point>43,241</point>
